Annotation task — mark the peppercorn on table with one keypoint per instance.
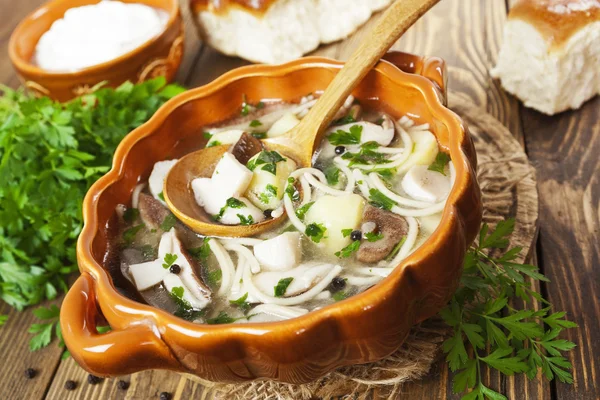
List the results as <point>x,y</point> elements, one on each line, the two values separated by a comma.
<point>564,149</point>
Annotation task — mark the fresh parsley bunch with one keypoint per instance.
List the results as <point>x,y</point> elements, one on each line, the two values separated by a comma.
<point>489,330</point>
<point>50,153</point>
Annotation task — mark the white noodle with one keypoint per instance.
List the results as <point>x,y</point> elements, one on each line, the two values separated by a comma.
<point>375,181</point>
<point>411,238</point>
<point>306,191</point>
<point>406,122</point>
<point>278,212</point>
<point>289,301</point>
<point>279,311</point>
<point>226,265</point>
<point>423,127</point>
<point>247,254</point>
<point>324,295</point>
<point>289,209</point>
<point>349,177</point>
<point>361,181</point>
<point>362,280</point>
<point>376,271</point>
<point>237,277</point>
<point>322,187</point>
<point>135,196</point>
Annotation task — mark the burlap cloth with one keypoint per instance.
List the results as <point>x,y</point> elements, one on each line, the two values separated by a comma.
<point>508,184</point>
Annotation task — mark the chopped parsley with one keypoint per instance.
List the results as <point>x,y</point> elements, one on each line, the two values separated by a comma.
<point>260,105</point>
<point>386,173</point>
<point>441,160</point>
<point>131,214</point>
<point>380,121</point>
<point>340,295</point>
<point>347,119</point>
<point>161,196</point>
<point>259,135</point>
<point>207,135</point>
<point>231,202</point>
<point>130,233</point>
<point>254,123</point>
<point>301,211</point>
<point>332,174</point>
<point>245,106</point>
<point>347,232</point>
<point>184,308</point>
<point>169,260</point>
<point>270,192</point>
<point>201,252</point>
<point>291,190</point>
<point>241,303</point>
<point>395,250</point>
<point>148,252</point>
<point>214,277</point>
<point>281,287</point>
<point>315,232</point>
<point>267,159</point>
<point>348,250</point>
<point>366,155</point>
<point>352,136</point>
<point>249,220</point>
<point>378,199</point>
<point>222,318</point>
<point>213,144</point>
<point>168,223</point>
<point>373,237</point>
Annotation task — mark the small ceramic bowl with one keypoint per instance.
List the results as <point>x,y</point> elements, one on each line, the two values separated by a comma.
<point>360,329</point>
<point>160,56</point>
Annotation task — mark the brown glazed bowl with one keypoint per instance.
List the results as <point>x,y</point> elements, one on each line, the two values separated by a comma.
<point>160,56</point>
<point>360,329</point>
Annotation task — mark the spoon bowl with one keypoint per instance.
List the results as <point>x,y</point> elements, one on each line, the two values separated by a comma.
<point>300,142</point>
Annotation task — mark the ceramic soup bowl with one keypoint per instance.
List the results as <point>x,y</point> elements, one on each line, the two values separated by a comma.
<point>159,56</point>
<point>360,329</point>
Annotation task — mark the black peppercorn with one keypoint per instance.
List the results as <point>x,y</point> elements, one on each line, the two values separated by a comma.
<point>165,396</point>
<point>123,385</point>
<point>175,269</point>
<point>339,150</point>
<point>93,379</point>
<point>336,284</point>
<point>70,385</point>
<point>30,373</point>
<point>356,235</point>
<point>267,213</point>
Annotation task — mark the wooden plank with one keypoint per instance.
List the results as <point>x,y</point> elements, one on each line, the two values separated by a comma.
<point>16,358</point>
<point>565,150</point>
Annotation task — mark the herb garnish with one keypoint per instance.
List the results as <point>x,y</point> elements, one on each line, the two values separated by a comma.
<point>131,214</point>
<point>168,223</point>
<point>184,308</point>
<point>488,330</point>
<point>315,232</point>
<point>301,211</point>
<point>346,119</point>
<point>441,160</point>
<point>222,318</point>
<point>169,260</point>
<point>373,237</point>
<point>332,174</point>
<point>348,250</point>
<point>207,135</point>
<point>268,160</point>
<point>366,155</point>
<point>281,287</point>
<point>270,192</point>
<point>161,196</point>
<point>254,123</point>
<point>291,190</point>
<point>259,135</point>
<point>129,234</point>
<point>214,277</point>
<point>245,107</point>
<point>201,252</point>
<point>213,144</point>
<point>340,295</point>
<point>396,249</point>
<point>231,202</point>
<point>352,136</point>
<point>248,220</point>
<point>241,303</point>
<point>347,232</point>
<point>378,199</point>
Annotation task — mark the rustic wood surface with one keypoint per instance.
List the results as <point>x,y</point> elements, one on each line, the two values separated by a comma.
<point>564,149</point>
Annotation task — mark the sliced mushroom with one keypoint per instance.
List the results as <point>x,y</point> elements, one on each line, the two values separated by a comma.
<point>151,273</point>
<point>246,147</point>
<point>391,226</point>
<point>157,177</point>
<point>152,212</point>
<point>304,277</point>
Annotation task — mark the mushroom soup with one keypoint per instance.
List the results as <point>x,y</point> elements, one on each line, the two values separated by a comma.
<point>376,191</point>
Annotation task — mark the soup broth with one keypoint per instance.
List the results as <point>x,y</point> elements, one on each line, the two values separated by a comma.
<point>375,193</point>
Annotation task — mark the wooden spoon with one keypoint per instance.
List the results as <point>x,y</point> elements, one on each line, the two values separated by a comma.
<point>299,143</point>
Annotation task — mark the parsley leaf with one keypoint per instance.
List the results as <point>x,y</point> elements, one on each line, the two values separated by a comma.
<point>131,214</point>
<point>315,232</point>
<point>340,137</point>
<point>268,160</point>
<point>347,232</point>
<point>281,287</point>
<point>366,155</point>
<point>373,237</point>
<point>378,199</point>
<point>441,160</point>
<point>201,252</point>
<point>207,135</point>
<point>254,123</point>
<point>46,330</point>
<point>241,303</point>
<point>184,308</point>
<point>332,174</point>
<point>169,260</point>
<point>248,220</point>
<point>301,211</point>
<point>168,223</point>
<point>231,202</point>
<point>348,250</point>
<point>291,190</point>
<point>222,318</point>
<point>214,277</point>
<point>129,234</point>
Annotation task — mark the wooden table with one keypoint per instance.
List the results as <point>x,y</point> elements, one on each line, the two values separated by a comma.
<point>565,150</point>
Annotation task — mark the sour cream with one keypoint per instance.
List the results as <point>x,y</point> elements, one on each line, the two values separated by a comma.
<point>93,34</point>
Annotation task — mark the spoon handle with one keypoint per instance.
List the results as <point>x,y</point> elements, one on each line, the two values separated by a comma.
<point>393,23</point>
